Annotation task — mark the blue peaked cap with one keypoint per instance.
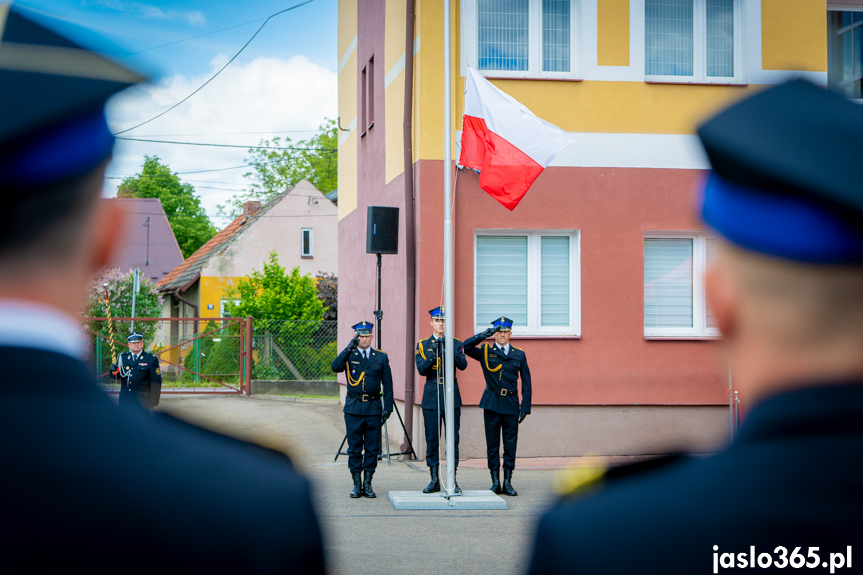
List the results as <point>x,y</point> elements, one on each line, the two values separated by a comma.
<point>135,336</point>
<point>364,328</point>
<point>504,323</point>
<point>785,179</point>
<point>437,312</point>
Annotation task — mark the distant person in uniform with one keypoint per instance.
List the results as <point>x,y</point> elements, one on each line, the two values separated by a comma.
<point>429,356</point>
<point>139,374</point>
<point>786,289</point>
<point>502,366</point>
<point>88,487</point>
<point>369,378</point>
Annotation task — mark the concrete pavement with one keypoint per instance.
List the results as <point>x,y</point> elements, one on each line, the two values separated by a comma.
<point>368,535</point>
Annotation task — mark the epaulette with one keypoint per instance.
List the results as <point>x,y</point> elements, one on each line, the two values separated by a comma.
<point>379,350</point>
<point>518,348</point>
<point>578,481</point>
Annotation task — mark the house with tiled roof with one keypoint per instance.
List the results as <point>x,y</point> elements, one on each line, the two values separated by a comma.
<point>146,240</point>
<point>300,225</point>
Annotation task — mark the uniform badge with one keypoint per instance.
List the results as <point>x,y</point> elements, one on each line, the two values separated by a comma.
<point>158,372</point>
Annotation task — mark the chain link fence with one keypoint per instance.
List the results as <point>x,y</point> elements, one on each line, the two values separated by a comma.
<point>294,350</point>
<point>209,353</point>
<point>192,352</point>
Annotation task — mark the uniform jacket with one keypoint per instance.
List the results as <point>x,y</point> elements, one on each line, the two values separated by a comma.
<point>106,490</point>
<point>427,365</point>
<point>366,378</point>
<point>501,372</point>
<point>793,477</point>
<point>144,379</point>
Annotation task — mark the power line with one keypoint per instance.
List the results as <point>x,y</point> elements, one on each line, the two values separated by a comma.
<point>227,134</point>
<point>213,77</point>
<point>228,145</point>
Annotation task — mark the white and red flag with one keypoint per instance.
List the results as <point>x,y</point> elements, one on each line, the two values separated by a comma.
<point>505,141</point>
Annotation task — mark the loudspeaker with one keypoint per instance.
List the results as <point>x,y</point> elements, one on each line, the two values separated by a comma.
<point>382,230</point>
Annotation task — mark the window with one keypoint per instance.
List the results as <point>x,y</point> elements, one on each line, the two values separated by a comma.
<point>306,243</point>
<point>692,40</point>
<point>674,302</point>
<point>367,97</point>
<point>530,277</point>
<point>520,38</point>
<point>844,52</point>
<point>223,307</point>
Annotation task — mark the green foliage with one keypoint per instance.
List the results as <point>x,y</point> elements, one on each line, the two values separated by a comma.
<point>327,286</point>
<point>274,294</point>
<point>187,217</point>
<point>148,303</point>
<point>276,171</point>
<point>215,355</point>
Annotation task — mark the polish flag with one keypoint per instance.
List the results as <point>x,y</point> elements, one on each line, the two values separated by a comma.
<point>504,141</point>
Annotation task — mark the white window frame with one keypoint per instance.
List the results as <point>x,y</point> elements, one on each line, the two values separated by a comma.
<point>311,251</point>
<point>699,49</point>
<point>470,39</point>
<point>534,287</point>
<point>225,301</point>
<point>830,59</point>
<point>699,329</point>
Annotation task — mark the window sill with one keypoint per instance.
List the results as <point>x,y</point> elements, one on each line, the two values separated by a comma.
<point>540,78</point>
<point>308,257</point>
<point>685,83</point>
<point>682,337</point>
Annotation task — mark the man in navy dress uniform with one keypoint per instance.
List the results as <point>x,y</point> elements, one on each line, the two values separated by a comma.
<point>786,289</point>
<point>87,487</point>
<point>139,374</point>
<point>429,358</point>
<point>502,366</point>
<point>369,378</point>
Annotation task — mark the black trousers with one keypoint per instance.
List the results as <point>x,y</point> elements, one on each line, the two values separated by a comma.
<point>497,424</point>
<point>364,441</point>
<point>430,419</point>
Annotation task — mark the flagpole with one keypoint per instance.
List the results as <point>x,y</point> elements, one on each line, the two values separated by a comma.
<point>449,314</point>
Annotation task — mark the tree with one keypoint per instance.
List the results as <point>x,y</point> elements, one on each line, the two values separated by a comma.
<point>327,286</point>
<point>148,303</point>
<point>275,170</point>
<point>273,293</point>
<point>187,217</point>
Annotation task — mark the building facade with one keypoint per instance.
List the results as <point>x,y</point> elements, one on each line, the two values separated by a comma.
<point>600,264</point>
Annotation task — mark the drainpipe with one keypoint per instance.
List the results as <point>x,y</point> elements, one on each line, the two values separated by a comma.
<point>410,239</point>
<point>190,304</point>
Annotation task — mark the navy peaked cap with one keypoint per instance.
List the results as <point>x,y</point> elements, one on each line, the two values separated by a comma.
<point>135,336</point>
<point>786,176</point>
<point>364,328</point>
<point>437,312</point>
<point>52,97</point>
<point>504,323</point>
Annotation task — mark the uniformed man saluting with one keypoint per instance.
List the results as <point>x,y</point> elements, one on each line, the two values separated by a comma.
<point>428,357</point>
<point>502,364</point>
<point>369,375</point>
<point>139,375</point>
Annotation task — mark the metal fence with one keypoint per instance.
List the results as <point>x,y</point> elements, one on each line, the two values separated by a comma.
<point>213,354</point>
<point>294,350</point>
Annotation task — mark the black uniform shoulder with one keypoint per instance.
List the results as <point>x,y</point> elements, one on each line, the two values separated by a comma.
<point>575,482</point>
<point>383,353</point>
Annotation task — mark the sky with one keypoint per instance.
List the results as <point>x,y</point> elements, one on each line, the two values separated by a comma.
<point>282,84</point>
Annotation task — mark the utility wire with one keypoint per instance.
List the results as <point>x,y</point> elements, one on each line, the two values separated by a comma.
<point>227,145</point>
<point>213,77</point>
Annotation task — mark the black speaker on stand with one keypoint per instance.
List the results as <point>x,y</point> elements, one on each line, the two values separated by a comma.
<point>382,237</point>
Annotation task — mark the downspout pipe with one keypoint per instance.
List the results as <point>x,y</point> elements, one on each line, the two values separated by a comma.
<point>410,238</point>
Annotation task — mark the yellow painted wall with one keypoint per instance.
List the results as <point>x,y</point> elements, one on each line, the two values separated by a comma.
<point>794,35</point>
<point>347,108</point>
<point>348,175</point>
<point>347,25</point>
<point>612,33</point>
<point>394,128</point>
<point>394,26</point>
<point>213,290</point>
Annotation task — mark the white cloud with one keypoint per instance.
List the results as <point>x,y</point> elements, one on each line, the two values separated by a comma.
<point>264,95</point>
<point>153,12</point>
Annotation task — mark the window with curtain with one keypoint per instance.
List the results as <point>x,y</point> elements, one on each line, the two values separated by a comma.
<point>529,277</point>
<point>306,243</point>
<point>691,40</point>
<point>674,301</point>
<point>845,52</point>
<point>527,38</point>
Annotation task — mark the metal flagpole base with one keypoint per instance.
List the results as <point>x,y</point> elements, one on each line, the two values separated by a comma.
<point>419,501</point>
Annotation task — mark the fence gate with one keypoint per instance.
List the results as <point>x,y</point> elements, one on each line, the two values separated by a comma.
<point>197,355</point>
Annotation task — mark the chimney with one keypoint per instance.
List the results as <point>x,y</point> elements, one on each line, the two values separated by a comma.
<point>251,208</point>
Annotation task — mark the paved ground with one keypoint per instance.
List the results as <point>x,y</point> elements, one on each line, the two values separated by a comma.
<point>368,535</point>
